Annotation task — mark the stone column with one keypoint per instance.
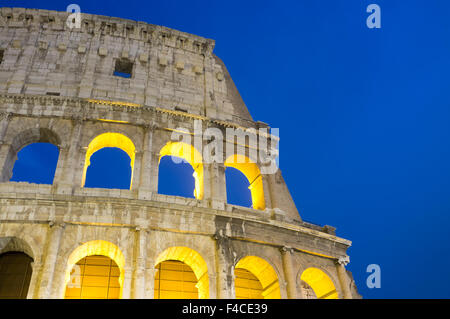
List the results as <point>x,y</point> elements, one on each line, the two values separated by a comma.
<point>138,289</point>
<point>68,156</point>
<point>80,174</point>
<point>149,289</point>
<point>343,277</point>
<point>136,170</point>
<point>154,171</point>
<point>53,241</point>
<point>127,281</point>
<point>5,162</point>
<point>289,274</point>
<point>32,288</point>
<point>224,269</point>
<point>215,185</point>
<point>62,158</point>
<point>270,196</point>
<point>146,179</point>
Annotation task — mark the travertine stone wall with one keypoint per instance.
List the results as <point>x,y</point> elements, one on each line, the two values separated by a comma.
<point>57,86</point>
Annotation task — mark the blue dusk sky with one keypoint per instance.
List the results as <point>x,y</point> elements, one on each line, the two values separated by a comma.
<point>363,116</point>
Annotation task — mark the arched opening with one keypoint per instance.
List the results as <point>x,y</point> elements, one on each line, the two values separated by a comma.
<point>253,175</point>
<point>315,284</point>
<point>175,177</point>
<point>94,277</point>
<point>255,278</point>
<point>36,163</point>
<point>95,270</point>
<point>179,150</point>
<point>40,157</point>
<point>109,140</point>
<point>174,278</point>
<point>110,168</point>
<point>238,192</point>
<point>15,275</point>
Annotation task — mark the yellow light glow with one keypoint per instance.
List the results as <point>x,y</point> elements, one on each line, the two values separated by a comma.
<point>97,247</point>
<point>253,174</point>
<point>119,103</point>
<point>321,284</point>
<point>190,155</point>
<point>96,278</point>
<point>195,261</point>
<point>109,140</point>
<point>175,280</point>
<point>247,286</point>
<point>113,121</point>
<point>264,272</point>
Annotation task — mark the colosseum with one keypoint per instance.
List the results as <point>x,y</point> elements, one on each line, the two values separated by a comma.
<point>111,82</point>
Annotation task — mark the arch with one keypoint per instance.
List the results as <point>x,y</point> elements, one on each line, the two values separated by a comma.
<point>194,260</point>
<point>35,135</point>
<point>254,177</point>
<point>320,283</point>
<point>100,248</point>
<point>15,275</point>
<point>109,139</point>
<point>191,155</point>
<point>24,138</point>
<point>9,244</point>
<point>265,273</point>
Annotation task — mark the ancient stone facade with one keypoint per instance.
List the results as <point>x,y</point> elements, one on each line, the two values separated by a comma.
<point>57,85</point>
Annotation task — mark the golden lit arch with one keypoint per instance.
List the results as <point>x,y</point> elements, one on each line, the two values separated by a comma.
<point>109,140</point>
<point>253,174</point>
<point>191,155</point>
<point>97,247</point>
<point>319,282</point>
<point>194,260</point>
<point>265,273</point>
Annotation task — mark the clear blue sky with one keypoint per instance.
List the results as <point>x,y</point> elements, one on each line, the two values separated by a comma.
<point>363,114</point>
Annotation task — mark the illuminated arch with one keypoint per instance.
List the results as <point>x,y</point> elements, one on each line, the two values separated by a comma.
<point>194,260</point>
<point>265,273</point>
<point>320,283</point>
<point>253,174</point>
<point>109,140</point>
<point>190,155</point>
<point>97,247</point>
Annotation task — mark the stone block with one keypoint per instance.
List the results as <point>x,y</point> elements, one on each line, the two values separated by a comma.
<point>102,51</point>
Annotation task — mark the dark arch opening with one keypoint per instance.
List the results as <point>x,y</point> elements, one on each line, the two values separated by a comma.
<point>175,177</point>
<point>15,275</point>
<point>36,163</point>
<point>237,185</point>
<point>110,168</point>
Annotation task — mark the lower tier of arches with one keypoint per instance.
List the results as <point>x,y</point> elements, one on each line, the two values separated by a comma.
<point>41,260</point>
